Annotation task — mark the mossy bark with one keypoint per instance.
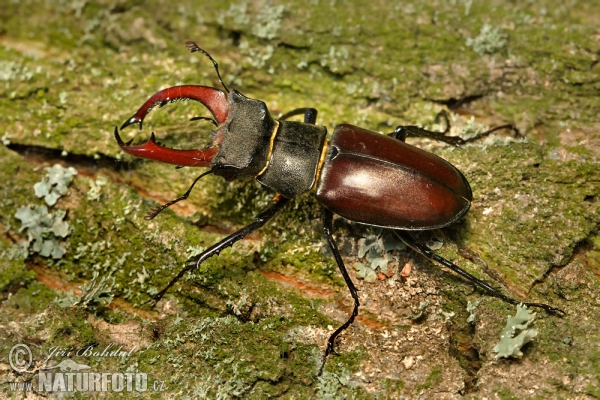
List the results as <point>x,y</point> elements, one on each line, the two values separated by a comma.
<point>253,321</point>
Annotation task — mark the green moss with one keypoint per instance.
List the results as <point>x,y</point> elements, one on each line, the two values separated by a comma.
<point>505,394</point>
<point>73,330</point>
<point>432,380</point>
<point>12,273</point>
<point>71,72</point>
<point>31,299</point>
<point>392,386</point>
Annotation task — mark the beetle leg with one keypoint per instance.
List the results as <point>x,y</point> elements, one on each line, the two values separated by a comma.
<point>404,131</point>
<point>310,115</point>
<point>328,229</point>
<point>154,211</point>
<point>216,248</point>
<point>425,251</point>
<point>513,128</point>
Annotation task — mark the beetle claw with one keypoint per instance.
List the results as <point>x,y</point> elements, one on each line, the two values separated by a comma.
<point>132,121</point>
<point>120,141</point>
<point>215,100</point>
<point>155,151</point>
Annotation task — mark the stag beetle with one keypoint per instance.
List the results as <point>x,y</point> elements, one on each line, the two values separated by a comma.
<point>361,175</point>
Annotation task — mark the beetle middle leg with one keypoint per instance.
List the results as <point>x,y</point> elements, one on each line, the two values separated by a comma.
<point>404,131</point>
<point>425,251</point>
<point>328,229</point>
<point>216,248</point>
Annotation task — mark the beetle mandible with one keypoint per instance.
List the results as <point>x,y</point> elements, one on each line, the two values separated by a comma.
<point>361,175</point>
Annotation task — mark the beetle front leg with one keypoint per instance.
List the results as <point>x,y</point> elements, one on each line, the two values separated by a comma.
<point>216,248</point>
<point>425,251</point>
<point>328,229</point>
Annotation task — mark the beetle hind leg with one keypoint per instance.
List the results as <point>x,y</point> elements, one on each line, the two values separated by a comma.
<point>328,229</point>
<point>404,131</point>
<point>425,251</point>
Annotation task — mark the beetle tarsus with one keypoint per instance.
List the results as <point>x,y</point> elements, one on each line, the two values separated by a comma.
<point>216,248</point>
<point>154,211</point>
<point>443,115</point>
<point>403,131</point>
<point>481,135</point>
<point>425,251</point>
<point>549,309</point>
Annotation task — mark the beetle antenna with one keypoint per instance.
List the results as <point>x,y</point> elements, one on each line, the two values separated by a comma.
<point>193,47</point>
<point>154,211</point>
<point>205,119</point>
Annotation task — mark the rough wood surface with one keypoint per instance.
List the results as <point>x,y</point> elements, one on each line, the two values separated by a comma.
<point>253,322</point>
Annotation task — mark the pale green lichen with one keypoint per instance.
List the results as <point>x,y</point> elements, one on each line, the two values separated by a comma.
<point>540,90</point>
<point>336,60</point>
<point>471,307</point>
<point>375,248</point>
<point>470,129</point>
<point>96,293</point>
<point>44,230</point>
<point>489,41</point>
<point>66,299</point>
<point>510,342</point>
<point>268,21</point>
<point>265,24</point>
<point>420,311</point>
<point>241,307</point>
<point>15,71</point>
<point>5,139</point>
<point>55,184</point>
<point>329,384</point>
<point>236,13</point>
<point>96,188</point>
